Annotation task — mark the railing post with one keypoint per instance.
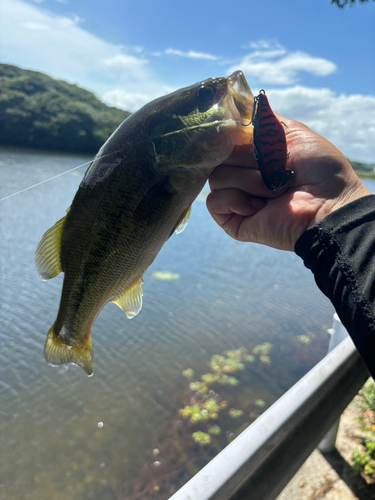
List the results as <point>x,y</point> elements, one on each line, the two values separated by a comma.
<point>337,334</point>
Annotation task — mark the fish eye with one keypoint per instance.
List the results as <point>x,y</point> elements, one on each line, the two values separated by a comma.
<point>206,93</point>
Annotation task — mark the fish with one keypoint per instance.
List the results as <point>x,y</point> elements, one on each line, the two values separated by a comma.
<point>135,194</point>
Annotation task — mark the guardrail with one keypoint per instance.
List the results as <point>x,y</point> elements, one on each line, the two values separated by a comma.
<point>264,457</point>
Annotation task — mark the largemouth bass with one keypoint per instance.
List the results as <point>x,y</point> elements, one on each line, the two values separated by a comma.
<point>137,191</point>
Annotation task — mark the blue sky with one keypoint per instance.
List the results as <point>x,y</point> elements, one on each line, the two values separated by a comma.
<point>315,61</point>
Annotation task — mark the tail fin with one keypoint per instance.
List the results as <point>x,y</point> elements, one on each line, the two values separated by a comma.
<point>57,352</point>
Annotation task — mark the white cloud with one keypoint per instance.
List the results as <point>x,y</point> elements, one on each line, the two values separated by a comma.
<point>348,121</point>
<point>131,101</point>
<point>34,26</point>
<point>264,45</point>
<point>71,21</point>
<point>270,63</point>
<point>125,100</point>
<point>191,54</point>
<point>124,61</point>
<point>34,38</point>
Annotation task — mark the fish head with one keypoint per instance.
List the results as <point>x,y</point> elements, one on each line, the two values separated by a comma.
<point>198,126</point>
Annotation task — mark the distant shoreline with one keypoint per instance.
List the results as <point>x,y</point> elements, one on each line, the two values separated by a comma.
<point>362,174</point>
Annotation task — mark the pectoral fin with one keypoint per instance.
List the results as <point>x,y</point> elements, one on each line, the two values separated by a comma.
<point>47,255</point>
<point>182,223</point>
<point>130,301</point>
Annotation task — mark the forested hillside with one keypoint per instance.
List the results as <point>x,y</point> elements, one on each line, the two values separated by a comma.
<point>40,112</point>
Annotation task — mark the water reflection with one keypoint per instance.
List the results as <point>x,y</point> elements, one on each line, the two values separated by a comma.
<point>120,434</point>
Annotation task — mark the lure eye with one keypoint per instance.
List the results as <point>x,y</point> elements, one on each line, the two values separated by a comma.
<point>206,94</point>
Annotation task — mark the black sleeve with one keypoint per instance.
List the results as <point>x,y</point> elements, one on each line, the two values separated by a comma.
<point>340,251</point>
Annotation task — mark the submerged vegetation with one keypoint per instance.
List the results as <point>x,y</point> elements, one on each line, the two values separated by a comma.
<point>37,111</point>
<point>165,275</point>
<point>212,410</point>
<point>214,406</point>
<point>207,403</point>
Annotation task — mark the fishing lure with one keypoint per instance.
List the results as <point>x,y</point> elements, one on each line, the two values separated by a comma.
<point>269,145</point>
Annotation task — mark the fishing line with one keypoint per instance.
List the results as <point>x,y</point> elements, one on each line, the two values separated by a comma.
<point>42,182</point>
<point>99,158</point>
<point>56,176</point>
<point>63,173</point>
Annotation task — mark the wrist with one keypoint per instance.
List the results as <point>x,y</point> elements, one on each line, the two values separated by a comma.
<point>349,194</point>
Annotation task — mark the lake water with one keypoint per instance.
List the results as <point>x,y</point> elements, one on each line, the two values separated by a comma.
<point>120,434</point>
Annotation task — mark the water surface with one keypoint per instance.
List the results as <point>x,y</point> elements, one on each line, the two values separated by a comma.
<point>64,435</point>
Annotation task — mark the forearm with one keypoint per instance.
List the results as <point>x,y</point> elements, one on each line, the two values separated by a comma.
<point>340,251</point>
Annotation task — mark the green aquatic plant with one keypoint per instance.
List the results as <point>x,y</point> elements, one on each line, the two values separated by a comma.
<point>230,361</point>
<point>226,380</point>
<point>233,366</point>
<point>217,363</point>
<point>260,403</point>
<point>201,438</point>
<point>165,275</point>
<point>215,430</point>
<point>210,378</point>
<point>238,354</point>
<point>304,339</point>
<point>262,349</point>
<point>201,416</point>
<point>198,386</point>
<point>206,408</point>
<point>195,414</point>
<point>266,360</point>
<point>205,403</point>
<point>189,411</point>
<point>235,413</point>
<point>211,406</point>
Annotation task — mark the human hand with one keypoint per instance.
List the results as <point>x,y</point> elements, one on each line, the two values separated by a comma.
<point>323,182</point>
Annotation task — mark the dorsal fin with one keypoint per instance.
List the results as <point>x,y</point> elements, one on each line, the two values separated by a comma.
<point>130,301</point>
<point>47,255</point>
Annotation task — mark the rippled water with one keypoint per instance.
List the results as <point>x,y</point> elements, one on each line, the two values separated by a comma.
<point>64,435</point>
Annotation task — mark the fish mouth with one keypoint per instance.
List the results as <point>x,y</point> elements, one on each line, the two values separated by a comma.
<point>242,96</point>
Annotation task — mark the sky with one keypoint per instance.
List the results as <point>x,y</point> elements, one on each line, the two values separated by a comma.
<point>315,61</point>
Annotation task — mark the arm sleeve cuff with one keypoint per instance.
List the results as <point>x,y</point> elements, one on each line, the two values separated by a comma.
<point>340,251</point>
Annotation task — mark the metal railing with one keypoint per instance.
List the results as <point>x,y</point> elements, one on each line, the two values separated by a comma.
<point>264,457</point>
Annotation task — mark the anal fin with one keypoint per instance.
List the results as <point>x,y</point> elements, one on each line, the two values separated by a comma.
<point>130,301</point>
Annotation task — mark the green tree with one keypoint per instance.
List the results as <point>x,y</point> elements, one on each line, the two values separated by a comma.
<point>342,3</point>
<point>41,112</point>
